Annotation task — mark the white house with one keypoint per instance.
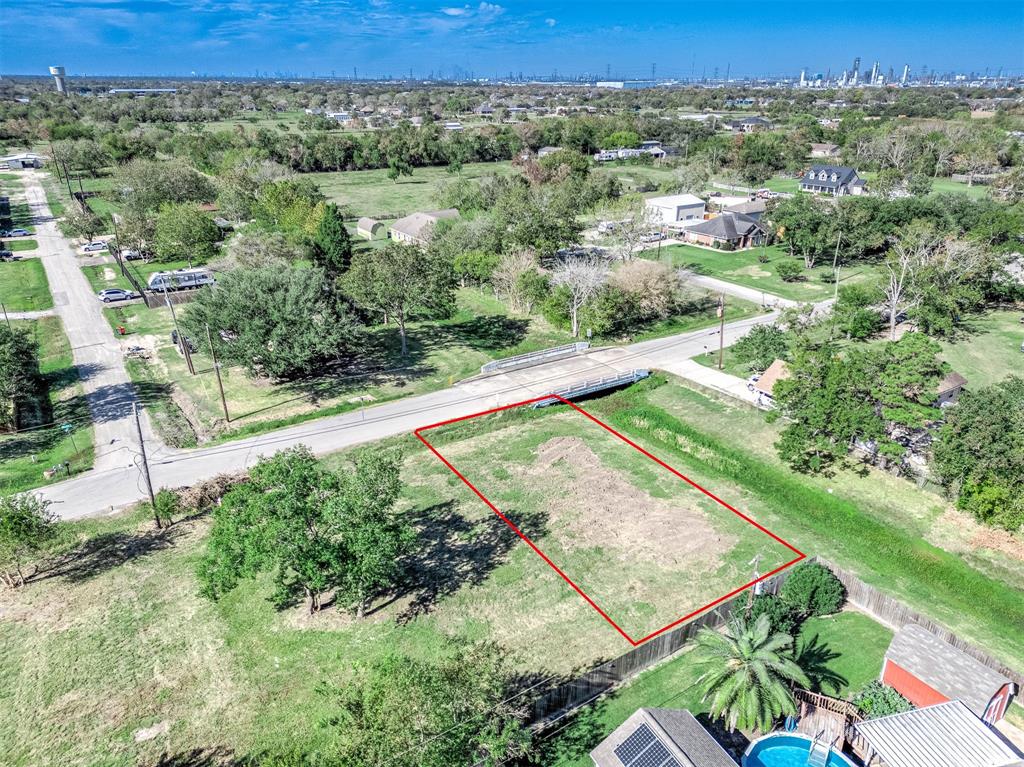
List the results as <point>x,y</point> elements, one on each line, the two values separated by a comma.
<point>676,209</point>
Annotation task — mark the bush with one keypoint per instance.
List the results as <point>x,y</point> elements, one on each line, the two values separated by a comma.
<point>788,271</point>
<point>879,699</point>
<point>761,347</point>
<point>813,590</point>
<point>780,614</point>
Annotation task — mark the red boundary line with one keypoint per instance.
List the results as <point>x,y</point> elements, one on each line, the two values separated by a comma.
<point>566,578</point>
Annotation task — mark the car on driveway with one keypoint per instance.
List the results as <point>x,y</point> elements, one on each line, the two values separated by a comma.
<point>6,255</point>
<point>96,245</point>
<point>17,233</point>
<point>115,294</point>
<point>652,237</point>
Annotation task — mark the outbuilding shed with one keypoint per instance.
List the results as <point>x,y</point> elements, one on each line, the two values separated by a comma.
<point>369,228</point>
<point>927,670</point>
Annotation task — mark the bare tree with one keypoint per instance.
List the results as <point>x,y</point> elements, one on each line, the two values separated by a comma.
<point>654,288</point>
<point>630,231</point>
<point>507,282</point>
<point>909,253</point>
<point>583,276</point>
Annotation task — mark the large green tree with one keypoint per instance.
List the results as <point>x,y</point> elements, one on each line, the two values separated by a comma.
<point>183,231</point>
<point>19,375</point>
<point>402,282</point>
<point>315,530</point>
<point>277,321</point>
<point>457,708</point>
<point>979,454</point>
<point>332,245</point>
<point>26,526</point>
<point>746,672</point>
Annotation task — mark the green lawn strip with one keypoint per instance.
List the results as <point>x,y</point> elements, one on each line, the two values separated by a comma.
<point>372,193</point>
<point>744,268</point>
<point>24,457</point>
<point>24,287</point>
<point>850,644</point>
<point>989,349</point>
<point>931,580</point>
<point>97,275</point>
<point>730,363</point>
<point>16,245</point>
<point>941,186</point>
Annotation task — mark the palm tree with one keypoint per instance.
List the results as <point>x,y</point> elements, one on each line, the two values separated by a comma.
<point>746,673</point>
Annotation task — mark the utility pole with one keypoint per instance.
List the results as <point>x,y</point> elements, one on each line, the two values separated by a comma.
<point>835,267</point>
<point>145,463</point>
<point>6,318</point>
<point>721,329</point>
<point>182,344</point>
<point>216,367</point>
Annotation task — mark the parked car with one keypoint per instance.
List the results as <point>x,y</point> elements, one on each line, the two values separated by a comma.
<point>17,233</point>
<point>93,247</point>
<point>115,294</point>
<point>652,237</point>
<point>753,380</point>
<point>6,255</point>
<point>606,227</point>
<point>714,194</point>
<point>131,255</point>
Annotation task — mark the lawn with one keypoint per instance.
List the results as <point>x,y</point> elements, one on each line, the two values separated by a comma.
<point>851,645</point>
<point>744,268</point>
<point>24,457</point>
<point>372,193</point>
<point>23,286</point>
<point>730,363</point>
<point>944,186</point>
<point>119,640</point>
<point>19,245</point>
<point>989,349</point>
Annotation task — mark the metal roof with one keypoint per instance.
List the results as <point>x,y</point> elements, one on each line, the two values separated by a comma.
<point>944,668</point>
<point>673,729</point>
<point>728,226</point>
<point>675,200</point>
<point>944,735</point>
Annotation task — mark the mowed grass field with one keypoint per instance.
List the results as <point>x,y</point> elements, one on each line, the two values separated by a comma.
<point>744,268</point>
<point>989,349</point>
<point>23,286</point>
<point>116,639</point>
<point>372,193</point>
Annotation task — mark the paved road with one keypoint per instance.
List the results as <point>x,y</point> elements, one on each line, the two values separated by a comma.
<point>95,351</point>
<point>110,487</point>
<point>739,291</point>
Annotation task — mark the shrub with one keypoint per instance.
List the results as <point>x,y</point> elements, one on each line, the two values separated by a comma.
<point>780,614</point>
<point>788,271</point>
<point>761,347</point>
<point>879,699</point>
<point>166,506</point>
<point>812,590</point>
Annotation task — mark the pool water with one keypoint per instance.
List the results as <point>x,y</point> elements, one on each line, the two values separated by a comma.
<point>786,751</point>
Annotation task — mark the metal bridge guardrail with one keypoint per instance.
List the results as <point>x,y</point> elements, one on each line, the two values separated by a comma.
<point>534,358</point>
<point>589,387</point>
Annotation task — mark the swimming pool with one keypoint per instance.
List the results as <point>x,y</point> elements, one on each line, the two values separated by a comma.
<point>785,750</point>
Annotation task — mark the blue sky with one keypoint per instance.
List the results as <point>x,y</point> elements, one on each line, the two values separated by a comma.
<point>487,38</point>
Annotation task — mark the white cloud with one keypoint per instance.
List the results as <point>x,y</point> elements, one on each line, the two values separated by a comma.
<point>550,22</point>
<point>455,11</point>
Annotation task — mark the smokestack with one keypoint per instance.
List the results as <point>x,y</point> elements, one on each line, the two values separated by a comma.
<point>58,77</point>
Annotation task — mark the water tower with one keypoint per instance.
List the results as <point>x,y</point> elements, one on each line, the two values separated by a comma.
<point>58,77</point>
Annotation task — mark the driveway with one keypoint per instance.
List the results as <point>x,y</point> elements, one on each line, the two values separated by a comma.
<point>96,353</point>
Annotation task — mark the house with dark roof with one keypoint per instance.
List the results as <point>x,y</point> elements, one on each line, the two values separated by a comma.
<point>666,737</point>
<point>749,125</point>
<point>737,230</point>
<point>834,180</point>
<point>753,208</point>
<point>927,670</point>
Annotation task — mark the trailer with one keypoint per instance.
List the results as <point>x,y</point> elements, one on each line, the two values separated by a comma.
<point>180,279</point>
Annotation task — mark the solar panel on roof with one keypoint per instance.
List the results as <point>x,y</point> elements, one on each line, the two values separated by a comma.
<point>643,749</point>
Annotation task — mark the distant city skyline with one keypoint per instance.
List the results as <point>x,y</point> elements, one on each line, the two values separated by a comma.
<point>377,38</point>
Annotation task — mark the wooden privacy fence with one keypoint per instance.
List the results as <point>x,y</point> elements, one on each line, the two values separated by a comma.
<point>565,697</point>
<point>895,614</point>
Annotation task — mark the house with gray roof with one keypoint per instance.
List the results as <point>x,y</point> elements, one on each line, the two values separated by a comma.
<point>737,230</point>
<point>927,670</point>
<point>415,229</point>
<point>943,735</point>
<point>666,737</point>
<point>833,180</point>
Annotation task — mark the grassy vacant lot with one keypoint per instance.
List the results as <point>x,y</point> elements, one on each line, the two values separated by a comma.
<point>23,286</point>
<point>18,215</point>
<point>25,456</point>
<point>372,193</point>
<point>17,245</point>
<point>116,640</point>
<point>744,268</point>
<point>850,645</point>
<point>990,348</point>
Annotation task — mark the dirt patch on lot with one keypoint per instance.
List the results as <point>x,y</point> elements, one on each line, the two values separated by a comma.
<point>753,270</point>
<point>601,508</point>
